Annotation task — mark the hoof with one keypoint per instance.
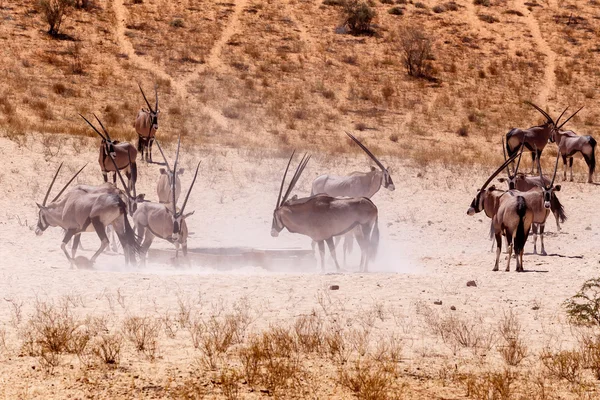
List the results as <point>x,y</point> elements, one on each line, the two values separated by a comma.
<point>544,253</point>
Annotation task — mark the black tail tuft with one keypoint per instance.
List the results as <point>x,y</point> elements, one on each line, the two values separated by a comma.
<point>592,159</point>
<point>557,208</point>
<point>521,236</point>
<point>130,239</point>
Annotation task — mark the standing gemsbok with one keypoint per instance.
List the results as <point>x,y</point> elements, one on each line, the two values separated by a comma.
<point>146,125</point>
<point>164,186</point>
<point>322,217</point>
<point>534,138</point>
<point>114,156</point>
<point>510,216</point>
<point>164,220</point>
<point>357,184</point>
<point>82,211</point>
<point>569,144</point>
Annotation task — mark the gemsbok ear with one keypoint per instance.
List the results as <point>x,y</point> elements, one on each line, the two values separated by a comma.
<point>163,171</point>
<point>188,214</point>
<point>373,168</point>
<point>493,187</point>
<point>557,188</point>
<point>39,205</point>
<point>502,180</point>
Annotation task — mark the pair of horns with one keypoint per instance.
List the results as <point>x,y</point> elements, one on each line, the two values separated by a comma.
<point>147,102</point>
<point>518,162</point>
<point>362,146</point>
<point>299,170</point>
<point>511,159</point>
<point>175,213</point>
<point>109,156</point>
<point>555,168</point>
<point>64,188</point>
<point>545,114</point>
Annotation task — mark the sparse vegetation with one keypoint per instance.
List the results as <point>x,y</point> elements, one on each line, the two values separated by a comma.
<point>54,12</point>
<point>584,307</point>
<point>358,16</point>
<point>416,51</point>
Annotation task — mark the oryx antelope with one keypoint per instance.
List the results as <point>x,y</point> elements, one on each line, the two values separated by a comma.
<point>524,183</point>
<point>114,156</point>
<point>569,144</point>
<point>534,138</point>
<point>164,186</point>
<point>357,184</point>
<point>510,216</point>
<point>82,211</point>
<point>322,217</point>
<point>146,125</point>
<point>164,220</point>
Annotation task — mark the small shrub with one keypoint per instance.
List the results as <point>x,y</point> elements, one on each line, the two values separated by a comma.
<point>485,3</point>
<point>584,308</point>
<point>396,11</point>
<point>107,349</point>
<point>490,19</point>
<point>492,385</point>
<point>53,12</point>
<point>369,380</point>
<point>143,333</point>
<point>177,23</point>
<point>358,16</point>
<point>463,131</point>
<point>514,12</point>
<point>565,364</point>
<point>420,5</point>
<point>335,3</point>
<point>438,9</point>
<point>394,137</point>
<point>416,51</point>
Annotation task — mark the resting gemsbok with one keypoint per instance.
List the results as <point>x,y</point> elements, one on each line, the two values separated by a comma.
<point>569,144</point>
<point>115,155</point>
<point>510,216</point>
<point>164,220</point>
<point>146,125</point>
<point>534,138</point>
<point>322,217</point>
<point>164,186</point>
<point>87,211</point>
<point>357,184</point>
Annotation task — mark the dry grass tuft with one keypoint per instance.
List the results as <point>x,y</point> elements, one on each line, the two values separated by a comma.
<point>143,333</point>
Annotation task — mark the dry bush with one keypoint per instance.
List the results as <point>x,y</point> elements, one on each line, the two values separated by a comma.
<point>590,353</point>
<point>143,333</point>
<point>106,348</point>
<point>370,380</point>
<point>358,16</point>
<point>336,345</point>
<point>514,349</point>
<point>309,332</point>
<point>416,49</point>
<point>565,364</point>
<point>53,12</point>
<point>229,378</point>
<point>490,386</point>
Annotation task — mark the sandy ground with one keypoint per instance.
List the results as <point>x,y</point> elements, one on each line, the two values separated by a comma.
<point>430,248</point>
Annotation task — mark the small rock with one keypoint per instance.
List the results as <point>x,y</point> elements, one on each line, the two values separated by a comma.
<point>453,308</point>
<point>437,302</point>
<point>471,284</point>
<point>589,228</point>
<point>334,287</point>
<point>535,308</point>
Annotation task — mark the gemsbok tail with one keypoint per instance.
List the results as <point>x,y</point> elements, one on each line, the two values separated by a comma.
<point>521,236</point>
<point>592,158</point>
<point>557,208</point>
<point>374,241</point>
<point>130,239</point>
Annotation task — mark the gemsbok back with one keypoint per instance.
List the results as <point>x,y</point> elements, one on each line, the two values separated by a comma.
<point>322,217</point>
<point>114,156</point>
<point>569,144</point>
<point>87,211</point>
<point>510,217</point>
<point>164,186</point>
<point>357,184</point>
<point>164,220</point>
<point>146,125</point>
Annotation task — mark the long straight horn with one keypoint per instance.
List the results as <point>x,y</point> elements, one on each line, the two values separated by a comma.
<point>93,127</point>
<point>141,90</point>
<point>504,153</point>
<point>190,190</point>
<point>103,128</point>
<point>156,96</point>
<point>68,183</point>
<point>544,113</point>
<point>362,146</point>
<point>568,119</point>
<point>555,166</point>
<point>539,166</point>
<point>519,160</point>
<point>561,115</point>
<point>174,178</point>
<point>51,184</point>
<point>163,155</point>
<point>120,177</point>
<point>296,176</point>
<point>511,159</point>
<point>278,204</point>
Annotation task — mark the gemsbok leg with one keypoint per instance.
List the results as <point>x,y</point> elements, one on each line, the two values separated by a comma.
<point>498,237</point>
<point>332,251</point>
<point>571,169</point>
<point>148,238</point>
<point>68,235</point>
<point>101,231</point>
<point>76,242</point>
<point>322,254</point>
<point>542,227</point>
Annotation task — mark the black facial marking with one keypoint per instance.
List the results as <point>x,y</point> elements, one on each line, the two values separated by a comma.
<point>175,227</point>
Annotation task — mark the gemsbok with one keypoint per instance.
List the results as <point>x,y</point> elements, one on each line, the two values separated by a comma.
<point>534,138</point>
<point>87,211</point>
<point>115,155</point>
<point>569,144</point>
<point>510,216</point>
<point>164,221</point>
<point>146,125</point>
<point>322,217</point>
<point>357,184</point>
<point>164,186</point>
<point>524,183</point>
